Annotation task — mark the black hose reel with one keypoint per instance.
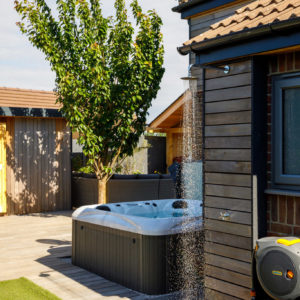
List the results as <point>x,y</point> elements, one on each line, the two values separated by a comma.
<point>277,264</point>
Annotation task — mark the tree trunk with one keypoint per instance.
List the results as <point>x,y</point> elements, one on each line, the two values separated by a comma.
<point>102,191</point>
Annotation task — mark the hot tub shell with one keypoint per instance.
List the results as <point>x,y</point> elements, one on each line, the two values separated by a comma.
<point>141,257</point>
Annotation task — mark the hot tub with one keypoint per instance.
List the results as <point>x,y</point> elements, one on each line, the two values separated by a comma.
<point>133,243</point>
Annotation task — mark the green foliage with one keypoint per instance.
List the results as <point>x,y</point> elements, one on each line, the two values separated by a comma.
<point>86,170</point>
<point>137,172</point>
<point>106,73</point>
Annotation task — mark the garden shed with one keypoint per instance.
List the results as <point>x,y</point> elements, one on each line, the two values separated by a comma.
<point>251,118</point>
<point>170,122</point>
<point>35,166</point>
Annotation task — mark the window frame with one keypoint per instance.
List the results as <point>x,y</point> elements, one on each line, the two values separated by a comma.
<point>279,179</point>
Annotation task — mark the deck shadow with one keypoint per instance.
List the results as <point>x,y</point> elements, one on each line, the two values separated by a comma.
<point>59,259</point>
<point>51,214</point>
<point>53,242</point>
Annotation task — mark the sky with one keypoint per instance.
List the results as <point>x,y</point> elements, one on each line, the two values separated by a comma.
<point>23,66</point>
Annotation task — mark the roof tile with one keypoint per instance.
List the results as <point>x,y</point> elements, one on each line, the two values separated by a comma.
<point>250,16</point>
<point>14,97</point>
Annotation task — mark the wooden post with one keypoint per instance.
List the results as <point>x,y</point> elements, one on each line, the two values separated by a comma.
<point>3,205</point>
<point>169,148</point>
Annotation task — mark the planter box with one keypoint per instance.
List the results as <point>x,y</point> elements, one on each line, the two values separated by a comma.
<point>85,190</point>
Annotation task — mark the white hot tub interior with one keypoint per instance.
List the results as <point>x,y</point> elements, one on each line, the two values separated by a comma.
<point>155,217</point>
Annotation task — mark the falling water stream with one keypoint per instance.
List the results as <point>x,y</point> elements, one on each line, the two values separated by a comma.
<point>189,257</point>
<point>191,142</point>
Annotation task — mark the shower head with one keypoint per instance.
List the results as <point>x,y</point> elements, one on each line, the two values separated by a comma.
<point>225,69</point>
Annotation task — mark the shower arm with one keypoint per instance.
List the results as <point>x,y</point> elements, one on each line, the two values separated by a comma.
<point>225,69</point>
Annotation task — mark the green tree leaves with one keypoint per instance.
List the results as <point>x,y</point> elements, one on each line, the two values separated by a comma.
<point>106,74</point>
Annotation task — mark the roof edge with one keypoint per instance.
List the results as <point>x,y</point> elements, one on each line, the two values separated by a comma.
<point>166,109</point>
<point>181,7</point>
<point>26,90</point>
<point>239,36</point>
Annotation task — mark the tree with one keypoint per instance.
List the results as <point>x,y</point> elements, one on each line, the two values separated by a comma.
<point>106,73</point>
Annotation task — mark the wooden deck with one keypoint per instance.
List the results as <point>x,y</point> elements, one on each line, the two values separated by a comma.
<point>38,247</point>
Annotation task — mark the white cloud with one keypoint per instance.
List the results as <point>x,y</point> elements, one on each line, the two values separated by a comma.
<point>23,66</point>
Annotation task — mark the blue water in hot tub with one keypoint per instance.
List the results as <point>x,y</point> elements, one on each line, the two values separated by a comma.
<point>153,209</point>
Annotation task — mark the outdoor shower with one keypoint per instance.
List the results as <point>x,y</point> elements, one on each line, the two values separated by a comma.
<point>225,69</point>
<point>191,258</point>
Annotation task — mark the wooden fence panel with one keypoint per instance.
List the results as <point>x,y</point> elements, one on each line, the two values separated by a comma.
<point>229,239</point>
<point>228,227</point>
<point>230,252</point>
<point>227,106</point>
<point>228,94</point>
<point>215,295</point>
<point>227,288</point>
<point>239,167</point>
<point>3,206</point>
<point>228,81</point>
<point>229,276</point>
<point>228,182</point>
<point>241,142</point>
<point>228,130</point>
<point>228,179</point>
<point>228,191</point>
<point>225,203</point>
<point>234,216</point>
<point>225,118</point>
<point>228,154</point>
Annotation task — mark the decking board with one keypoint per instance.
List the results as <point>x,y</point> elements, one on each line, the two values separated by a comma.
<point>32,246</point>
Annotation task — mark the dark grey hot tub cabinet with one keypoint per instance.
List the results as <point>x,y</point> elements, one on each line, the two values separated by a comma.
<point>139,262</point>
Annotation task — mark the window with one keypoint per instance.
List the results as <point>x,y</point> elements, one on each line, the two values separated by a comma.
<point>286,131</point>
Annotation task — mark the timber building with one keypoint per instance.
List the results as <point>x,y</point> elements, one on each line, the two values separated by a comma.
<point>35,166</point>
<point>170,123</point>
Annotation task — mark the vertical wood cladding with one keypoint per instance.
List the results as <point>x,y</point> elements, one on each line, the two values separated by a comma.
<point>139,262</point>
<point>38,165</point>
<point>228,183</point>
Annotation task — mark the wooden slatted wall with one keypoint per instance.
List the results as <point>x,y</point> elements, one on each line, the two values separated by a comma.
<point>38,165</point>
<point>228,183</point>
<point>63,162</point>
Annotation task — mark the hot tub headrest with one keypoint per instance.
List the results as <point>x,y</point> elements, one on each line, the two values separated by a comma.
<point>103,207</point>
<point>180,204</point>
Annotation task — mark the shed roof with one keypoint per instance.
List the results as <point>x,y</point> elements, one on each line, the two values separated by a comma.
<point>251,16</point>
<point>14,97</point>
<point>171,117</point>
